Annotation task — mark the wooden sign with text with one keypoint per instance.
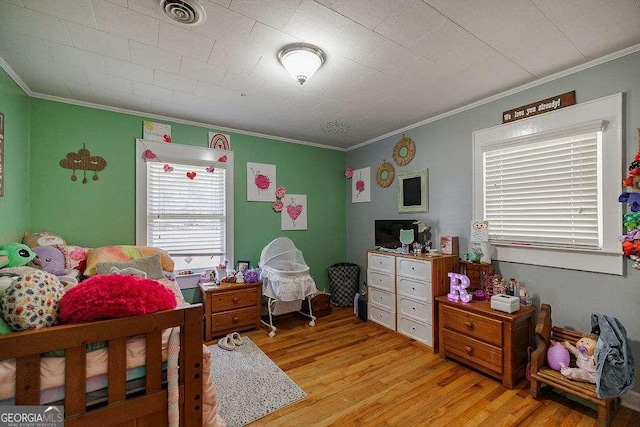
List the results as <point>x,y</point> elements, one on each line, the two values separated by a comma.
<point>544,106</point>
<point>1,154</point>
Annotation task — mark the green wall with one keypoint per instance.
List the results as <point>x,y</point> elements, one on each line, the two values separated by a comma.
<point>14,206</point>
<point>102,212</point>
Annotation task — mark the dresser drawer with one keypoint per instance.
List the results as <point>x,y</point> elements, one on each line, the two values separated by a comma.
<point>413,288</point>
<point>382,299</point>
<point>382,316</point>
<point>384,263</point>
<point>417,330</point>
<point>416,309</point>
<point>223,301</point>
<point>234,319</point>
<point>381,280</point>
<point>473,325</point>
<point>418,269</point>
<point>475,351</point>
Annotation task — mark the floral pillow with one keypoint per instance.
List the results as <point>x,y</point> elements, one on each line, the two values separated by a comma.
<point>31,301</point>
<point>75,257</point>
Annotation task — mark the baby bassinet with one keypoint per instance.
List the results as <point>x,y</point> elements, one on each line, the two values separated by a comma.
<point>285,277</point>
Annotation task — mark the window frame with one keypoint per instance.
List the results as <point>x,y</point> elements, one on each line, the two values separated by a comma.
<point>184,154</point>
<point>608,259</point>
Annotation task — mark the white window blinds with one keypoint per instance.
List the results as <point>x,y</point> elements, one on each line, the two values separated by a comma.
<point>544,193</point>
<point>186,216</point>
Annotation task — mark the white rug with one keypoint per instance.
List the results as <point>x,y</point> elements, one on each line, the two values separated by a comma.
<point>249,384</point>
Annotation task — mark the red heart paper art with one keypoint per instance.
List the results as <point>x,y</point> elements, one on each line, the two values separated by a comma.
<point>223,159</point>
<point>168,168</point>
<point>211,169</point>
<point>167,138</point>
<point>149,154</point>
<point>191,175</point>
<point>294,211</point>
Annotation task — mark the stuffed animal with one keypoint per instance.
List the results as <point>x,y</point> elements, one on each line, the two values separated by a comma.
<point>52,260</point>
<point>15,255</point>
<point>585,362</point>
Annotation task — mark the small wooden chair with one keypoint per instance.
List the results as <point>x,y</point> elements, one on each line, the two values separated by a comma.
<point>541,373</point>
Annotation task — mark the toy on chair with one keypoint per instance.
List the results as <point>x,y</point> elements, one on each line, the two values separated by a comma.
<point>585,362</point>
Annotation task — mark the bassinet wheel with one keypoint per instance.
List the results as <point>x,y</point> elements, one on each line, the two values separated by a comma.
<point>312,323</point>
<point>272,334</point>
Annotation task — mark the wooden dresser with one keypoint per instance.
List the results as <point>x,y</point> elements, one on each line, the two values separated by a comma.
<point>402,289</point>
<point>230,307</point>
<point>488,340</point>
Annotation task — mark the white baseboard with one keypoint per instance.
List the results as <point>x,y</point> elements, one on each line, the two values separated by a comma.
<point>631,400</point>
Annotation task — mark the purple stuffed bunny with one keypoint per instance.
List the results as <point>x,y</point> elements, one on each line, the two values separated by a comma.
<point>52,260</point>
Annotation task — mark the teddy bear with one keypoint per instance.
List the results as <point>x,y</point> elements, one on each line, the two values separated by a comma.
<point>585,362</point>
<point>53,261</point>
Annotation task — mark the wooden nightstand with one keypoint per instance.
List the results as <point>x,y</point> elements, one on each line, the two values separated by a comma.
<point>230,307</point>
<point>485,339</point>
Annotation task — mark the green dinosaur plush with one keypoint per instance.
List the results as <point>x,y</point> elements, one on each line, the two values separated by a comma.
<point>15,255</point>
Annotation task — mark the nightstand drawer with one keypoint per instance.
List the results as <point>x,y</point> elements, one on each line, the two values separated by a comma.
<point>224,301</point>
<point>233,320</point>
<point>476,352</point>
<point>473,325</point>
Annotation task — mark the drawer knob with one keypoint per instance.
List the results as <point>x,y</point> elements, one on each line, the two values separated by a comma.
<point>413,288</point>
<point>235,319</point>
<point>468,349</point>
<point>468,324</point>
<point>235,300</point>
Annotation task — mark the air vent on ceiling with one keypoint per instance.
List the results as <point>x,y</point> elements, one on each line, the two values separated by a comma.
<point>334,128</point>
<point>188,12</point>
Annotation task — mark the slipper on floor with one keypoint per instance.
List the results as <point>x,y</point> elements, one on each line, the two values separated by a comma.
<point>235,338</point>
<point>226,343</point>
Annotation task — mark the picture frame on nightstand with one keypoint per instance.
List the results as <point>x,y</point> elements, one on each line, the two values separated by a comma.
<point>243,266</point>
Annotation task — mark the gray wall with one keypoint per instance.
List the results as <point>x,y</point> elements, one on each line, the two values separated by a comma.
<point>445,148</point>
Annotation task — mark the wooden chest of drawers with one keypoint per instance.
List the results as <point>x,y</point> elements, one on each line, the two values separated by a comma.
<point>230,307</point>
<point>488,340</point>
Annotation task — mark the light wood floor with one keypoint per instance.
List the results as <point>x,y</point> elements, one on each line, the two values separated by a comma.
<point>360,374</point>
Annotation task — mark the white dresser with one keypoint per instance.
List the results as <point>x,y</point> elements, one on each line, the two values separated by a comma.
<point>402,289</point>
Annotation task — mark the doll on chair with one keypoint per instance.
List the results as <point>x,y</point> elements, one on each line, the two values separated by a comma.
<point>585,362</point>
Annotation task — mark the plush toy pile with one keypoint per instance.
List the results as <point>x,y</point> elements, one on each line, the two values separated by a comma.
<point>39,282</point>
<point>631,196</point>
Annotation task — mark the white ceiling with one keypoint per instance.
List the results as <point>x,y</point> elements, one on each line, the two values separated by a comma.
<point>390,63</point>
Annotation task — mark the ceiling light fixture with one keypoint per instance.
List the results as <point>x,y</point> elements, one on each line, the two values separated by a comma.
<point>301,60</point>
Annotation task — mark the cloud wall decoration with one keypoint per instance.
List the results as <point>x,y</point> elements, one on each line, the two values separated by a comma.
<point>84,161</point>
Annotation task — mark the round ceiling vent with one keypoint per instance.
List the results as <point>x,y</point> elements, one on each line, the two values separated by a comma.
<point>334,128</point>
<point>188,12</point>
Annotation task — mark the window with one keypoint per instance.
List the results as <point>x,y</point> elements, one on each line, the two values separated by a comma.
<point>549,185</point>
<point>191,218</point>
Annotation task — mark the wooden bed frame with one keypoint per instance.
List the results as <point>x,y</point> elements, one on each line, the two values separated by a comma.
<point>148,408</point>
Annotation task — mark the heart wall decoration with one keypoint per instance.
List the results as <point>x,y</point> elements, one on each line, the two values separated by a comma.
<point>294,212</point>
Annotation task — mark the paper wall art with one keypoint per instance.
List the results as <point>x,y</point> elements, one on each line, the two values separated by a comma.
<point>361,185</point>
<point>156,131</point>
<point>294,212</point>
<point>261,182</point>
<point>219,141</point>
